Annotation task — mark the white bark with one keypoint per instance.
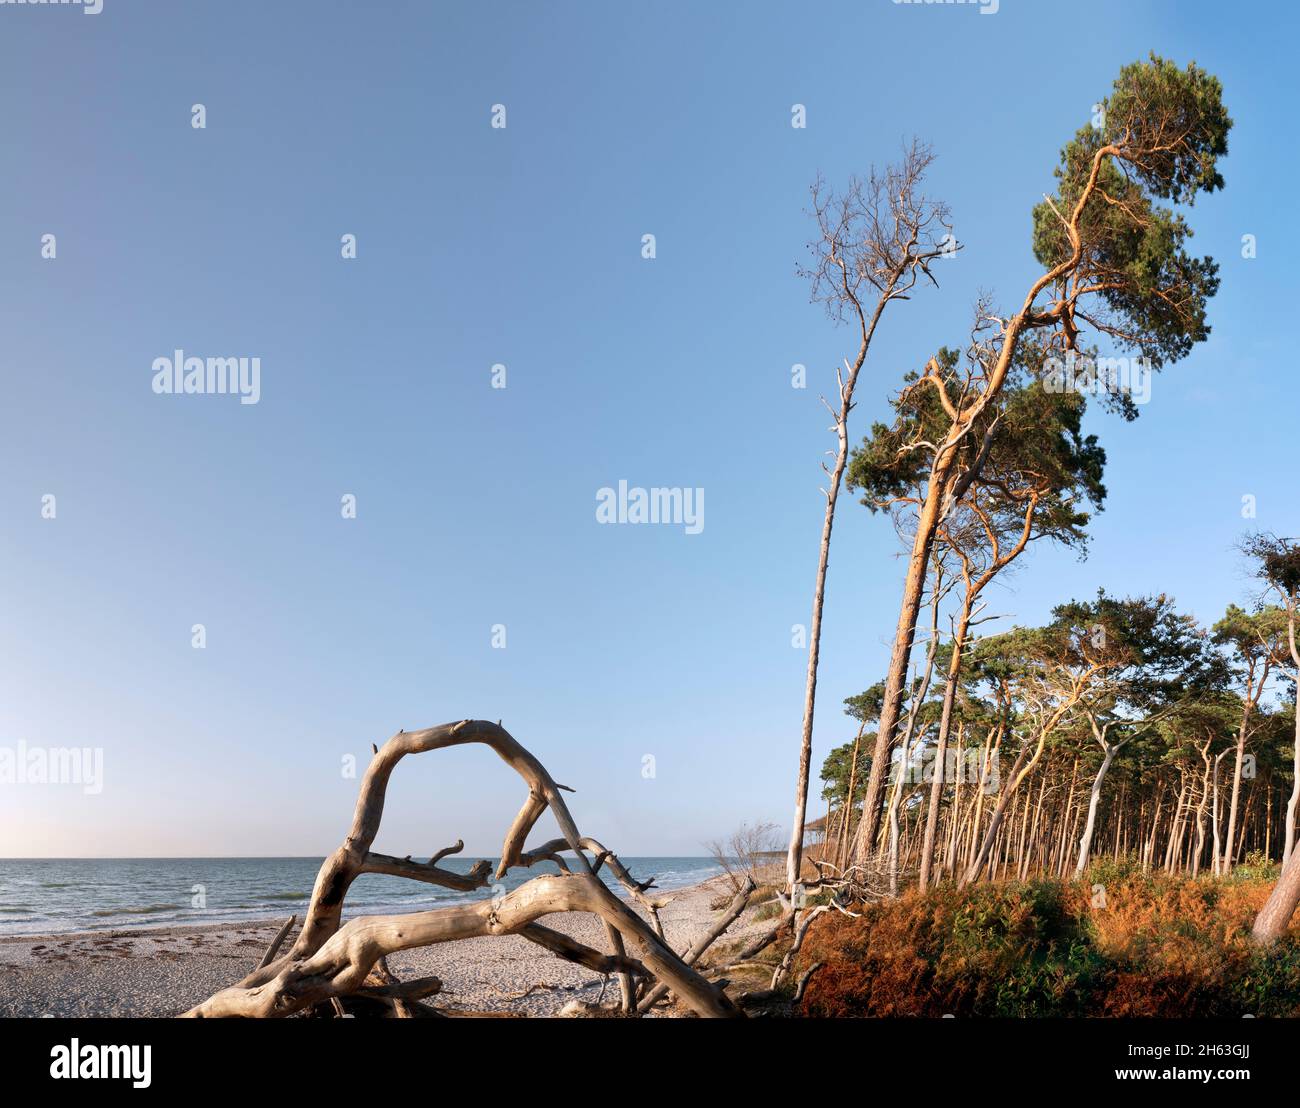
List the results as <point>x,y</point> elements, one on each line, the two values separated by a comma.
<point>1094,799</point>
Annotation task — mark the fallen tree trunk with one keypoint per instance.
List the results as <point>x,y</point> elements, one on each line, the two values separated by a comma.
<point>330,962</point>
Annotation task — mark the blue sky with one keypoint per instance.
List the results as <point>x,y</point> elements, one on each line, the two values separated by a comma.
<point>476,506</point>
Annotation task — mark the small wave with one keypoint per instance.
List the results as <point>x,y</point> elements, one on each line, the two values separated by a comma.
<point>143,910</point>
<point>59,885</point>
<point>286,896</point>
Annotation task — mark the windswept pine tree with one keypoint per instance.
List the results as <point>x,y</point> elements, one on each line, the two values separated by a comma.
<point>1037,473</point>
<point>1116,268</point>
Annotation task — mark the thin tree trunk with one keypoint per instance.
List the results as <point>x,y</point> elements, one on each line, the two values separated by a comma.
<point>919,694</point>
<point>843,836</point>
<point>1094,798</point>
<point>1149,841</point>
<point>1218,844</point>
<point>847,385</point>
<point>901,654</point>
<point>1059,867</point>
<point>978,803</point>
<point>1228,846</point>
<point>985,848</point>
<point>794,857</point>
<point>941,742</point>
<point>1033,830</point>
<point>1176,828</point>
<point>954,823</point>
<point>1293,805</point>
<point>1200,809</point>
<point>1268,817</point>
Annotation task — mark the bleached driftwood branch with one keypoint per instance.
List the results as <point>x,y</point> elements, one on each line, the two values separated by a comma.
<point>330,961</point>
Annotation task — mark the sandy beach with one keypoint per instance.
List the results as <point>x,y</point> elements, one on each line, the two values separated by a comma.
<point>165,971</point>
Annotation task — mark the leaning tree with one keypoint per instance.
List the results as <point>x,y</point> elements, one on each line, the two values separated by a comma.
<point>875,240</point>
<point>1034,471</point>
<point>1278,564</point>
<point>1114,263</point>
<point>342,967</point>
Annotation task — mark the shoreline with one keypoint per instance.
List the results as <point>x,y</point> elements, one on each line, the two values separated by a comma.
<point>165,970</point>
<point>67,911</point>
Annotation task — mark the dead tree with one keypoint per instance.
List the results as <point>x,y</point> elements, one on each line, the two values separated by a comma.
<point>874,242</point>
<point>343,967</point>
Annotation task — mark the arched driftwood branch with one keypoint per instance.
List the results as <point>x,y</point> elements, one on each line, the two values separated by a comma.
<point>329,961</point>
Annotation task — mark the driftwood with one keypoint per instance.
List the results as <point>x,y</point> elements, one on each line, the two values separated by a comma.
<point>277,942</point>
<point>800,933</point>
<point>769,996</point>
<point>728,917</point>
<point>342,968</point>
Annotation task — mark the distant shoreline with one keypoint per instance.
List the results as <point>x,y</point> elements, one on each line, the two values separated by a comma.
<point>48,898</point>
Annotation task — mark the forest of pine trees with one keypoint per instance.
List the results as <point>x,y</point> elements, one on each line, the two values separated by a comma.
<point>1122,727</point>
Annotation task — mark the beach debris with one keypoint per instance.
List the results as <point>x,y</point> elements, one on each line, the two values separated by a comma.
<point>277,942</point>
<point>337,969</point>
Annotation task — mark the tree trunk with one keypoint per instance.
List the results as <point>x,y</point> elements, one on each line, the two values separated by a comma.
<point>1094,798</point>
<point>941,742</point>
<point>1229,846</point>
<point>901,655</point>
<point>919,693</point>
<point>794,857</point>
<point>1176,828</point>
<point>1294,803</point>
<point>1218,844</point>
<point>986,763</point>
<point>954,822</point>
<point>995,821</point>
<point>1149,847</point>
<point>1033,830</point>
<point>1059,867</point>
<point>1273,918</point>
<point>846,820</point>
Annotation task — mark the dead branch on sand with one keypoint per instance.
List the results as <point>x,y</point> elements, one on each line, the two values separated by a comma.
<point>342,969</point>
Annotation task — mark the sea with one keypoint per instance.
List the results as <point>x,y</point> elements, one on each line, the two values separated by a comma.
<point>40,896</point>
